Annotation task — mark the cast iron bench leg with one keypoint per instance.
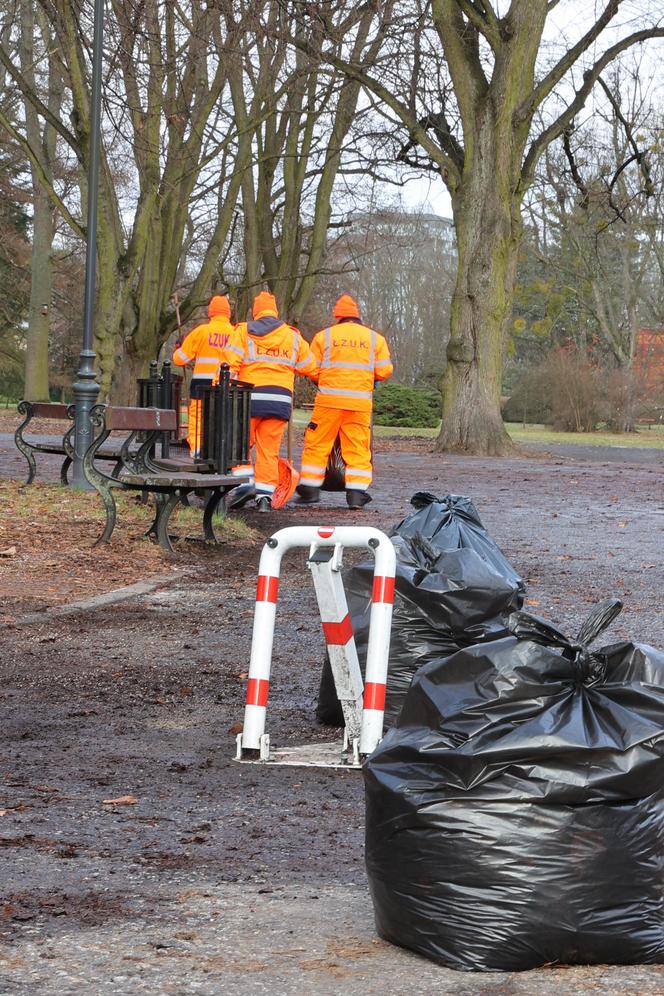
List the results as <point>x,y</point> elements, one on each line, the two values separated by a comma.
<point>210,508</point>
<point>66,464</point>
<point>151,531</point>
<point>109,505</point>
<point>26,451</point>
<point>165,510</point>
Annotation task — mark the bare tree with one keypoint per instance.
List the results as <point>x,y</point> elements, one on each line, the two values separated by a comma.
<point>597,224</point>
<point>479,99</point>
<point>168,130</point>
<point>41,137</point>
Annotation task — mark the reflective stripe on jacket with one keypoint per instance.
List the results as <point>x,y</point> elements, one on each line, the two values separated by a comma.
<point>350,357</point>
<point>203,347</point>
<point>268,353</point>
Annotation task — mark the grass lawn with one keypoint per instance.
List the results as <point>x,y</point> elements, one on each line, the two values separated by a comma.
<point>301,419</point>
<point>651,438</point>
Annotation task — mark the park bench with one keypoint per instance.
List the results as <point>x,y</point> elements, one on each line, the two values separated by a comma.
<point>141,428</point>
<point>28,447</point>
<point>156,391</point>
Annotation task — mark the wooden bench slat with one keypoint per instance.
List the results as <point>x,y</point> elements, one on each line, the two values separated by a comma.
<point>174,481</point>
<point>46,409</point>
<point>133,419</point>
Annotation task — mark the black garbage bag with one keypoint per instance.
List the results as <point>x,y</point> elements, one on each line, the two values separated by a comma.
<point>446,597</point>
<point>335,472</point>
<point>453,523</point>
<point>515,814</point>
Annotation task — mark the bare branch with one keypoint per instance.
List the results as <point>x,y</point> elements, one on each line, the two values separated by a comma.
<point>483,19</point>
<point>590,77</point>
<point>35,160</point>
<point>639,155</point>
<point>459,42</point>
<point>30,95</point>
<point>448,168</point>
<point>570,57</point>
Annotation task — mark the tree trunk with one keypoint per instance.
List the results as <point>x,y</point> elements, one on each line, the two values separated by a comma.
<point>488,228</point>
<point>36,386</point>
<point>124,390</point>
<point>41,290</point>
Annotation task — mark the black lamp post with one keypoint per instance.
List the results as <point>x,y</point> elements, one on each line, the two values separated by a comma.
<point>86,388</point>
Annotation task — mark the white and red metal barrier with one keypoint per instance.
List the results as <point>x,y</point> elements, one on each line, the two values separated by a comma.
<point>363,708</point>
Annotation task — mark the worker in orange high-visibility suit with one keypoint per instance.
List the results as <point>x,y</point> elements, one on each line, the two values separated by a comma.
<point>203,347</point>
<point>267,353</point>
<point>351,357</point>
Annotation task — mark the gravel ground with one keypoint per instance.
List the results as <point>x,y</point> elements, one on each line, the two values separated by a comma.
<point>229,878</point>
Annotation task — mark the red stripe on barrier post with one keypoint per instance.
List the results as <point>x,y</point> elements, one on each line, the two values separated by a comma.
<point>383,590</point>
<point>267,588</point>
<point>374,696</point>
<point>257,689</point>
<point>337,634</point>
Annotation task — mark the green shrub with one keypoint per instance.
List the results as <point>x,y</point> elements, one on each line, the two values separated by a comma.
<point>411,407</point>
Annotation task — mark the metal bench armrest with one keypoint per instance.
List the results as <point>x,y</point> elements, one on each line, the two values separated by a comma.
<point>25,408</point>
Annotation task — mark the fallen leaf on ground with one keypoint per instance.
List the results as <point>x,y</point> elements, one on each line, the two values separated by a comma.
<point>236,728</point>
<point>532,601</point>
<point>9,552</point>
<point>122,800</point>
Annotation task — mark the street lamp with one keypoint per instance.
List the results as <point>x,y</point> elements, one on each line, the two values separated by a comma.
<point>86,388</point>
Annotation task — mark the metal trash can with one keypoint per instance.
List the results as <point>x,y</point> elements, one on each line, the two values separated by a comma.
<point>226,414</point>
<point>161,391</point>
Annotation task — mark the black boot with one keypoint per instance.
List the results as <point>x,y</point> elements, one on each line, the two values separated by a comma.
<point>307,495</point>
<point>357,498</point>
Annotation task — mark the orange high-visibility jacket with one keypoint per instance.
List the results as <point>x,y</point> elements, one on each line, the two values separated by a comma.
<point>267,353</point>
<point>204,346</point>
<point>350,358</point>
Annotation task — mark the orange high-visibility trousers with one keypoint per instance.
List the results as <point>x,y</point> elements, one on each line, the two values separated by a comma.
<point>266,435</point>
<point>194,433</point>
<point>354,431</point>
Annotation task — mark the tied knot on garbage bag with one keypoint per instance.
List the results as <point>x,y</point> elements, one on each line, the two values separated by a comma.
<point>589,668</point>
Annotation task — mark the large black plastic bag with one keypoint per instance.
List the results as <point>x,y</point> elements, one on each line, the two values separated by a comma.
<point>515,814</point>
<point>453,523</point>
<point>445,598</point>
<point>335,472</point>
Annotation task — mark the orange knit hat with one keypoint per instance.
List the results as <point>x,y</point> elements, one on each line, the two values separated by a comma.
<point>219,305</point>
<point>346,307</point>
<point>265,304</point>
